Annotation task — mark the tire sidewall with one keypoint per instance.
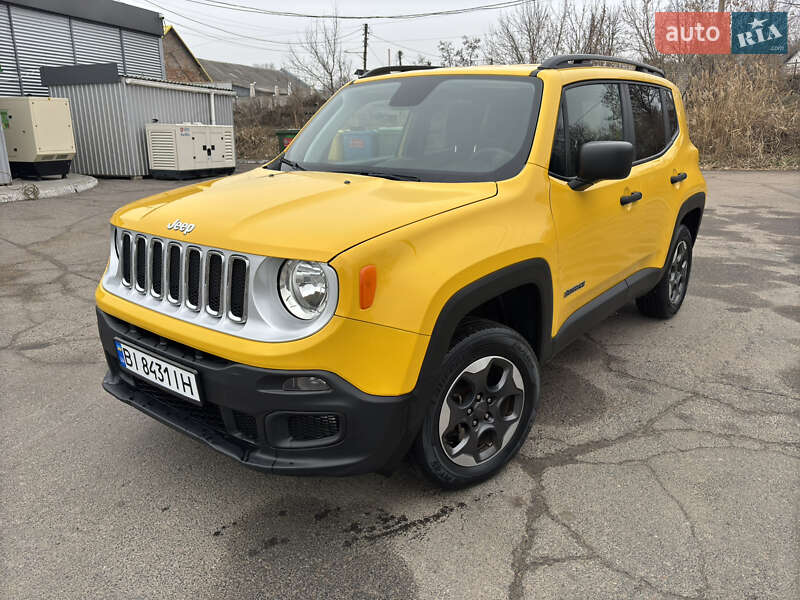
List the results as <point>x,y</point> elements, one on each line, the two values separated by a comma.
<point>496,341</point>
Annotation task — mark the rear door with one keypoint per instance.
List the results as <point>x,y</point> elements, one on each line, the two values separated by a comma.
<point>593,229</point>
<point>654,132</point>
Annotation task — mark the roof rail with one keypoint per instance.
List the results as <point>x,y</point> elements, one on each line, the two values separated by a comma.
<point>395,69</point>
<point>579,60</point>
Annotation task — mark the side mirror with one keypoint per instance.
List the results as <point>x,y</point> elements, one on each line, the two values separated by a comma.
<point>602,160</point>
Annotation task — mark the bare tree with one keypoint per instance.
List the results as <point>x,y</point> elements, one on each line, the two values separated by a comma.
<point>522,36</point>
<point>320,59</point>
<point>591,28</point>
<point>465,56</point>
<point>536,30</point>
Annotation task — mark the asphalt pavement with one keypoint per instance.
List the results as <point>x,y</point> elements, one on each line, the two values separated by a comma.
<point>665,462</point>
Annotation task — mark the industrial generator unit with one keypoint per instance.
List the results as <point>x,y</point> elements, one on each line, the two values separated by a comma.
<point>38,134</point>
<point>186,150</point>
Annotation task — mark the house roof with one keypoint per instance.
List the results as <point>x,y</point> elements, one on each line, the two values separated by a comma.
<point>169,28</point>
<point>244,75</point>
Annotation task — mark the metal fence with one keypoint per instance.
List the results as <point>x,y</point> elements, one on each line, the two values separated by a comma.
<point>109,119</point>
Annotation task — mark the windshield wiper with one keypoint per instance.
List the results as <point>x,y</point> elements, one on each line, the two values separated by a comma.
<point>296,166</point>
<point>384,175</point>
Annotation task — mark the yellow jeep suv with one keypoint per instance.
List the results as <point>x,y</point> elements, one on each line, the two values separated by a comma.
<point>390,284</point>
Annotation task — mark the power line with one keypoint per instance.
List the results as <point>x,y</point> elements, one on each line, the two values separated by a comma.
<point>281,13</point>
<point>391,43</point>
<point>236,33</point>
<point>234,40</point>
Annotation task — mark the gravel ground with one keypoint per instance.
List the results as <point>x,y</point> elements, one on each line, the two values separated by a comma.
<point>665,462</point>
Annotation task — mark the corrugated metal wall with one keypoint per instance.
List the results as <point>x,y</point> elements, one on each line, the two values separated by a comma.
<point>47,39</point>
<point>9,76</point>
<point>96,43</point>
<point>42,40</point>
<point>110,119</point>
<point>102,135</point>
<point>143,54</point>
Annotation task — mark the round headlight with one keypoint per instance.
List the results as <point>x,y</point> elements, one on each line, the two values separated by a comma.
<point>303,287</point>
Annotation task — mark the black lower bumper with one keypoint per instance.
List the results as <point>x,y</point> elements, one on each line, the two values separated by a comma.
<point>247,415</point>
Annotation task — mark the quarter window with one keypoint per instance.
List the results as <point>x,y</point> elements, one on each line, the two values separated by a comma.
<point>648,120</point>
<point>672,115</point>
<point>558,157</point>
<point>593,113</point>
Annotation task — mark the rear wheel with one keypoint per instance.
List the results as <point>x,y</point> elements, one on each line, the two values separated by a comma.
<point>664,300</point>
<point>484,406</point>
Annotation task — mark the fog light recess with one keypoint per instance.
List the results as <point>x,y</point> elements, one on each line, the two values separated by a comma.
<point>305,384</point>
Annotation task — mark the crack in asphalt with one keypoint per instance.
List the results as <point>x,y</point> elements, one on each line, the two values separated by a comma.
<point>571,455</point>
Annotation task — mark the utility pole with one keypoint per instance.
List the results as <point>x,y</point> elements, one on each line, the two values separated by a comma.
<point>400,57</point>
<point>366,33</point>
<point>388,57</point>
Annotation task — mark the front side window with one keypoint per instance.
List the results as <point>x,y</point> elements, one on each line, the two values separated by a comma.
<point>593,113</point>
<point>431,128</point>
<point>648,120</point>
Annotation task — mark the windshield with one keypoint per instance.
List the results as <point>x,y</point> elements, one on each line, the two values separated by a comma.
<point>426,128</point>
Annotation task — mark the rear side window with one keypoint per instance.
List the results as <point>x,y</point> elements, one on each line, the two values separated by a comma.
<point>648,120</point>
<point>592,113</point>
<point>672,115</point>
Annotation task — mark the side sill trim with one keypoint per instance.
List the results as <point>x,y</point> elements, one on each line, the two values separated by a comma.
<point>607,303</point>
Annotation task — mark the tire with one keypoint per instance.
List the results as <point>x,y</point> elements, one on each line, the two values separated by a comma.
<point>485,401</point>
<point>664,300</point>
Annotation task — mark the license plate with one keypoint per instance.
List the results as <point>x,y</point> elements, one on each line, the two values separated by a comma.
<point>158,371</point>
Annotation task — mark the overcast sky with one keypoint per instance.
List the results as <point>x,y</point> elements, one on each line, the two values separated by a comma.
<point>236,43</point>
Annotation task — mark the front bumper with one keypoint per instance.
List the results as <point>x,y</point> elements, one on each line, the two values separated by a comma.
<point>245,410</point>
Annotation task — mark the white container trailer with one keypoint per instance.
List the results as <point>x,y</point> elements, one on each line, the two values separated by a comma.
<point>185,150</point>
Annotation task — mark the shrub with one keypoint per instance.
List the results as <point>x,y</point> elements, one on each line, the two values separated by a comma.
<point>256,120</point>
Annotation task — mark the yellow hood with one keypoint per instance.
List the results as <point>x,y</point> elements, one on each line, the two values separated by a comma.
<point>297,214</point>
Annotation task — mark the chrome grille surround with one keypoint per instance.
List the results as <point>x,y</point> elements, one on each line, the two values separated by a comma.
<point>154,272</point>
<point>192,283</point>
<point>213,285</point>
<point>261,316</point>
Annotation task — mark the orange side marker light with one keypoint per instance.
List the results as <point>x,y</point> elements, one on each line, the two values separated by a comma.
<point>367,284</point>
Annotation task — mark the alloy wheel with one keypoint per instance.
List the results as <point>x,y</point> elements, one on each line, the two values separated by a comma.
<point>678,271</point>
<point>481,411</point>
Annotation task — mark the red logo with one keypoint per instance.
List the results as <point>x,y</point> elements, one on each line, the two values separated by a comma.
<point>693,32</point>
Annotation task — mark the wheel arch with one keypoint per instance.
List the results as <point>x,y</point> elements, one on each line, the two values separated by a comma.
<point>526,283</point>
<point>691,214</point>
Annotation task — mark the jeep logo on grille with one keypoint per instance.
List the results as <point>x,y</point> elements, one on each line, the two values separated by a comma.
<point>179,225</point>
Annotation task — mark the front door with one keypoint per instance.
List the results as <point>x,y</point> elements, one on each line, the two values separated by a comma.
<point>592,226</point>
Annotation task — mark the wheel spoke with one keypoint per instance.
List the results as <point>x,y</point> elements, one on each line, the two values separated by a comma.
<point>508,387</point>
<point>456,447</point>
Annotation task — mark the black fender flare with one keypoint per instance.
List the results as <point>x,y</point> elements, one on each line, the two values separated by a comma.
<point>535,271</point>
<point>693,202</point>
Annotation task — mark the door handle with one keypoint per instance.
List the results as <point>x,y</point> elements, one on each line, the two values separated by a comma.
<point>632,198</point>
<point>678,178</point>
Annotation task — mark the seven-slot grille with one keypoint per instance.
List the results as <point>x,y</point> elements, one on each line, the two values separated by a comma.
<point>185,274</point>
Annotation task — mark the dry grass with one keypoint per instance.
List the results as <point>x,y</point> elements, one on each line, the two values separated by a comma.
<point>256,142</point>
<point>256,121</point>
<point>744,115</point>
